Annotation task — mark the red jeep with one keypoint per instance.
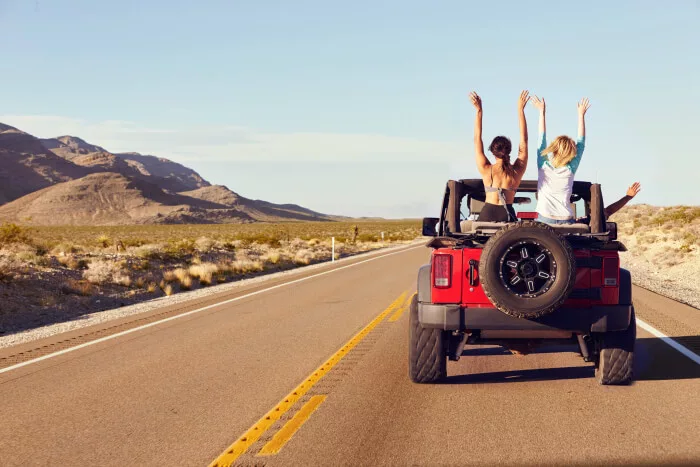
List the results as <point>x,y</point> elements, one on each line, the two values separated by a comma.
<point>522,284</point>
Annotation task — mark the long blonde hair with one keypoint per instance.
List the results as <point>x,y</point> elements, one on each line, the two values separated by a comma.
<point>562,150</point>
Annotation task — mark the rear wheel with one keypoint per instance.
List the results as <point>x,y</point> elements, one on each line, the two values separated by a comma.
<point>427,356</point>
<point>615,363</point>
<point>527,270</point>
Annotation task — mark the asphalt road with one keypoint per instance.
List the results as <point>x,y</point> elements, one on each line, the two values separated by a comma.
<point>315,373</point>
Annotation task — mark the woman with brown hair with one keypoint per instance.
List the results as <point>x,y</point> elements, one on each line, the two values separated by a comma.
<point>501,179</point>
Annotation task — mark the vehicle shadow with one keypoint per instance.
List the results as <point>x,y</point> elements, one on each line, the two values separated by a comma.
<point>657,361</point>
<point>536,374</point>
<point>654,361</point>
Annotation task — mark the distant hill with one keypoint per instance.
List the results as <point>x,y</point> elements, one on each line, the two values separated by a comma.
<point>26,165</point>
<point>258,209</point>
<point>69,147</point>
<point>176,177</point>
<point>67,180</point>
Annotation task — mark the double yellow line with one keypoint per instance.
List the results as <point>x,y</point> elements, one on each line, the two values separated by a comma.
<point>247,439</point>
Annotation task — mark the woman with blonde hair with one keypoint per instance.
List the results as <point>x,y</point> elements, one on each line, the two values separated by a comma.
<point>556,168</point>
<point>501,179</point>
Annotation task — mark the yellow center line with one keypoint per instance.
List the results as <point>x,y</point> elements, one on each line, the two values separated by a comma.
<point>397,314</point>
<point>287,431</point>
<point>241,445</point>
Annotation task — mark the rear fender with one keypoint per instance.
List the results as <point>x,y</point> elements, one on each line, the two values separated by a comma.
<point>424,284</point>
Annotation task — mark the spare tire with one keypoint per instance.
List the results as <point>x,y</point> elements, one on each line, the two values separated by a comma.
<point>527,270</point>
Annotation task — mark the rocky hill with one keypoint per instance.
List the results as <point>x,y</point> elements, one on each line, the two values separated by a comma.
<point>26,165</point>
<point>67,180</point>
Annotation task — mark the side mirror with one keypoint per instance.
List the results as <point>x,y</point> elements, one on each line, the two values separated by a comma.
<point>612,228</point>
<point>430,226</point>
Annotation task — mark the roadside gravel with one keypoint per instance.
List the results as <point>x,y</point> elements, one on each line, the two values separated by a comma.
<point>108,315</point>
<point>678,282</point>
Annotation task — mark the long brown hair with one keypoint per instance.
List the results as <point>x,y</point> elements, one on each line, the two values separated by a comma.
<point>500,147</point>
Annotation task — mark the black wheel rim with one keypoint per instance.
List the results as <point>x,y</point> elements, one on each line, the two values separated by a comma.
<point>527,268</point>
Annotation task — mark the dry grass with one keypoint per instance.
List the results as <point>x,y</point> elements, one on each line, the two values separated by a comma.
<point>71,262</point>
<point>77,287</point>
<point>104,272</point>
<point>184,237</point>
<point>82,261</point>
<point>204,272</point>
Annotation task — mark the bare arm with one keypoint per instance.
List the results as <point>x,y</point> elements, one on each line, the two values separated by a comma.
<point>581,143</point>
<point>583,107</point>
<point>482,163</point>
<point>620,203</point>
<point>522,148</point>
<point>541,105</point>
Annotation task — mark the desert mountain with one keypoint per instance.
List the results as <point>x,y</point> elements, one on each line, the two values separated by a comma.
<point>67,180</point>
<point>69,147</point>
<point>26,165</point>
<point>176,177</point>
<point>107,198</point>
<point>258,209</point>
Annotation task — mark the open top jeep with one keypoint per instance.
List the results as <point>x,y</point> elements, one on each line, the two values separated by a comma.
<point>522,284</point>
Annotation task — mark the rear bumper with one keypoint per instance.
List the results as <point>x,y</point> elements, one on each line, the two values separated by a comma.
<point>592,319</point>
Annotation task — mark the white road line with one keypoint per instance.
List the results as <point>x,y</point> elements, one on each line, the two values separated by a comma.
<point>669,341</point>
<point>208,307</point>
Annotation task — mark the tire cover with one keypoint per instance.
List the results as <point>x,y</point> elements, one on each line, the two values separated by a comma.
<point>527,270</point>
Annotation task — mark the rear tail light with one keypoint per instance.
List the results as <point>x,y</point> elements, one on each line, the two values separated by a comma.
<point>442,271</point>
<point>611,271</point>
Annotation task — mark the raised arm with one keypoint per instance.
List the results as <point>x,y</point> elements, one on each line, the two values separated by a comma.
<point>482,163</point>
<point>522,148</point>
<point>583,107</point>
<point>620,203</point>
<point>542,129</point>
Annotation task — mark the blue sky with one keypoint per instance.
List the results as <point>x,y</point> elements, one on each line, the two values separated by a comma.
<point>359,108</point>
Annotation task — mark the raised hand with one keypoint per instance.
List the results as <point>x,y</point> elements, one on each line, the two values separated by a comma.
<point>583,106</point>
<point>539,103</point>
<point>476,100</point>
<point>634,189</point>
<point>522,101</point>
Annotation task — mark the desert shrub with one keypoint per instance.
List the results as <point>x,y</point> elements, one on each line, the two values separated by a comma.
<point>122,278</point>
<point>71,262</point>
<point>179,248</point>
<point>685,248</point>
<point>152,287</point>
<point>690,238</point>
<point>33,258</point>
<point>272,257</point>
<point>181,274</point>
<point>186,283</point>
<point>204,272</point>
<point>367,238</point>
<point>144,265</point>
<point>140,282</point>
<point>244,266</point>
<point>64,249</point>
<point>103,241</point>
<point>228,245</point>
<point>9,266</point>
<point>169,276</point>
<point>148,251</point>
<point>103,272</point>
<point>303,257</point>
<point>204,244</point>
<point>77,287</point>
<point>13,233</point>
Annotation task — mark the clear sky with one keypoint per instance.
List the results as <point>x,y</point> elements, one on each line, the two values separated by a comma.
<point>360,108</point>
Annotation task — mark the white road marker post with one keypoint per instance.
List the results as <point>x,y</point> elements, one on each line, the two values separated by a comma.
<point>382,236</point>
<point>332,249</point>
